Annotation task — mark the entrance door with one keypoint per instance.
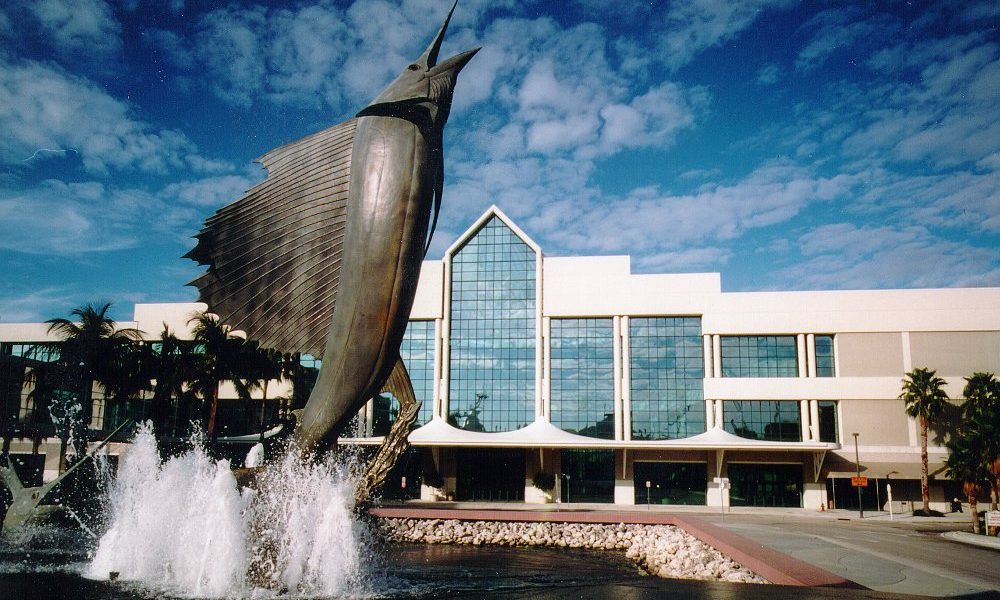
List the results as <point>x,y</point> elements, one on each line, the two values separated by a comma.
<point>588,475</point>
<point>765,485</point>
<point>490,474</point>
<point>670,483</point>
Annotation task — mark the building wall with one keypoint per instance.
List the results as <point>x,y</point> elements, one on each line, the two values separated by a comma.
<point>956,353</point>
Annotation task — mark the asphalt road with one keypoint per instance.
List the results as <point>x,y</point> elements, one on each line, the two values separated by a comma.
<point>899,557</point>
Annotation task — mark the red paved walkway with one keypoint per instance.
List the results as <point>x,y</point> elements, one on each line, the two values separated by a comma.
<point>770,564</point>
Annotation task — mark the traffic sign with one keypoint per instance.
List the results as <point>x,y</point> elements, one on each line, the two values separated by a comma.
<point>859,481</point>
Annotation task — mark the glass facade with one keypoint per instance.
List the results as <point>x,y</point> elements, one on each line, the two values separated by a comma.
<point>824,356</point>
<point>587,475</point>
<point>493,329</point>
<point>667,370</point>
<point>759,356</point>
<point>670,482</point>
<point>772,420</point>
<point>582,374</point>
<point>417,352</point>
<point>765,485</point>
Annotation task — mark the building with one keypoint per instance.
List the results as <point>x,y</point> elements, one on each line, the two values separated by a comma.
<point>634,388</point>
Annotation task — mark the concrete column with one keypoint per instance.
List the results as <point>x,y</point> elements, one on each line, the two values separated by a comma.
<point>437,412</point>
<point>717,355</point>
<point>367,420</point>
<point>546,369</point>
<point>709,414</point>
<point>616,343</point>
<point>624,486</point>
<point>800,342</point>
<point>804,418</point>
<point>716,496</point>
<point>811,353</point>
<point>813,495</point>
<point>718,414</point>
<point>814,420</point>
<point>539,341</point>
<point>707,352</point>
<point>626,382</point>
<point>443,385</point>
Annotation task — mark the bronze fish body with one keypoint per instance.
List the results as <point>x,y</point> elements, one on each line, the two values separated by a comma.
<point>324,256</point>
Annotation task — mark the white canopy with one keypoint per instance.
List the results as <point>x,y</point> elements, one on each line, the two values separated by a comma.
<point>543,434</point>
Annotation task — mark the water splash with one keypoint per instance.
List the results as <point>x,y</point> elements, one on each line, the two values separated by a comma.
<point>184,526</point>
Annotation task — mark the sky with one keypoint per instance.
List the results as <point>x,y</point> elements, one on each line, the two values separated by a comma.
<point>787,145</point>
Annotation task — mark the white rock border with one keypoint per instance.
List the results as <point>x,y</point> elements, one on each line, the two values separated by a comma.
<point>662,550</point>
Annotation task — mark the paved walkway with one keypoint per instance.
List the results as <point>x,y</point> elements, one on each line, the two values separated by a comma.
<point>836,548</point>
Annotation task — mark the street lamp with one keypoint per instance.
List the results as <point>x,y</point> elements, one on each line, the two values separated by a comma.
<point>857,464</point>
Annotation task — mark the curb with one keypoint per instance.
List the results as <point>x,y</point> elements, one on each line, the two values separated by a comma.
<point>971,539</point>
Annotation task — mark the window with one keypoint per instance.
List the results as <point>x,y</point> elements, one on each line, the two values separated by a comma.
<point>828,421</point>
<point>417,352</point>
<point>772,420</point>
<point>493,331</point>
<point>582,374</point>
<point>824,356</point>
<point>667,370</point>
<point>759,356</point>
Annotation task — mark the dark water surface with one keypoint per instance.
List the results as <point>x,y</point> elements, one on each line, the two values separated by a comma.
<point>47,564</point>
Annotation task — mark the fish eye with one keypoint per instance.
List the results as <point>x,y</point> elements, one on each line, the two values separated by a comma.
<point>413,67</point>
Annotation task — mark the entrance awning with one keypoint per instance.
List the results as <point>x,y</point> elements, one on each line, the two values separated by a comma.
<point>543,434</point>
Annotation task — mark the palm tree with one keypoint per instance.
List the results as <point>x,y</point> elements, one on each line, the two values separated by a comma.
<point>965,463</point>
<point>173,366</point>
<point>981,410</point>
<point>924,398</point>
<point>219,360</point>
<point>91,350</point>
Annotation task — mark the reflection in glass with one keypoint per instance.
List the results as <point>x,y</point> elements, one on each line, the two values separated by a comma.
<point>759,356</point>
<point>772,420</point>
<point>667,370</point>
<point>824,356</point>
<point>493,328</point>
<point>582,374</point>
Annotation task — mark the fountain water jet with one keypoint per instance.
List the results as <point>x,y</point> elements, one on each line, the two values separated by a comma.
<point>184,526</point>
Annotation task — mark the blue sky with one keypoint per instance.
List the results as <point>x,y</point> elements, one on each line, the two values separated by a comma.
<point>787,145</point>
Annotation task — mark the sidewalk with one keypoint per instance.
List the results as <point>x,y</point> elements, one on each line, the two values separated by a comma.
<point>983,541</point>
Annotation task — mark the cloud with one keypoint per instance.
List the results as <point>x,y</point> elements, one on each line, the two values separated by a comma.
<point>73,219</point>
<point>212,192</point>
<point>35,305</point>
<point>848,256</point>
<point>692,26</point>
<point>85,32</point>
<point>43,107</point>
<point>839,29</point>
<point>768,74</point>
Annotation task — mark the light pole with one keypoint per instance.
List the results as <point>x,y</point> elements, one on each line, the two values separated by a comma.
<point>857,463</point>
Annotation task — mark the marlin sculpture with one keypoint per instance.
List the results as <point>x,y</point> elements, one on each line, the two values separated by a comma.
<point>324,255</point>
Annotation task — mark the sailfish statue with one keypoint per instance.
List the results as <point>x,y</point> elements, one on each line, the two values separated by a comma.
<point>324,255</point>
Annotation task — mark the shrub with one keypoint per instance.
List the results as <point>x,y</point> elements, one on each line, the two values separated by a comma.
<point>544,481</point>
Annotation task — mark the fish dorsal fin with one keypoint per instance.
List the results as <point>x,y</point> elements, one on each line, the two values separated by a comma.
<point>274,255</point>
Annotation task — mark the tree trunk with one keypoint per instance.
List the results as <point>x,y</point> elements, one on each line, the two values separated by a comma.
<point>63,443</point>
<point>925,493</point>
<point>213,408</point>
<point>263,407</point>
<point>973,504</point>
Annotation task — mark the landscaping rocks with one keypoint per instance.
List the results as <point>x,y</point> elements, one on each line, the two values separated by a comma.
<point>662,550</point>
